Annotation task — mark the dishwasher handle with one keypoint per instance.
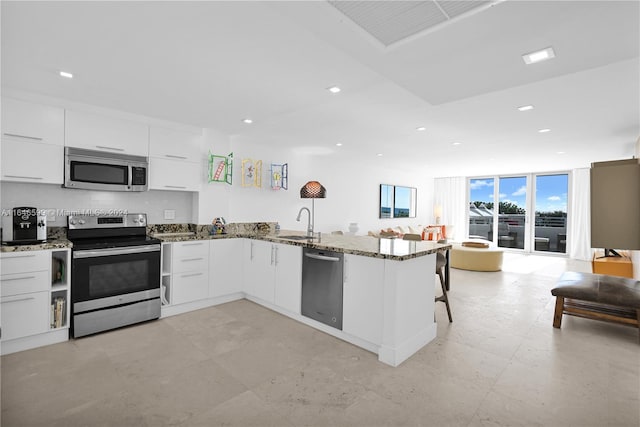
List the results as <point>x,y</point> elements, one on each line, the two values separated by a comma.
<point>322,257</point>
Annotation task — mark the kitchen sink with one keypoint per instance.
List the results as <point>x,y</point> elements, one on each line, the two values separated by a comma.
<point>295,237</point>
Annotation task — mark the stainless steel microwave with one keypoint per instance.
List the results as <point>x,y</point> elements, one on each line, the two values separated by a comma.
<point>99,170</point>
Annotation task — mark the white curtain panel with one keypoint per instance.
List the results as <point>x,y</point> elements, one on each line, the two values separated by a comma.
<point>451,195</point>
<point>579,236</point>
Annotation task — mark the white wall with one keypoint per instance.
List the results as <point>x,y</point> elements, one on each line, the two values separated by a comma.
<point>49,196</point>
<point>352,189</point>
<point>213,199</point>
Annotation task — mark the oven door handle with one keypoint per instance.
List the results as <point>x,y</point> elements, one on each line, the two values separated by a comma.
<point>116,251</point>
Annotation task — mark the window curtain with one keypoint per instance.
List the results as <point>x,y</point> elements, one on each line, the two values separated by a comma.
<point>579,235</point>
<point>450,195</point>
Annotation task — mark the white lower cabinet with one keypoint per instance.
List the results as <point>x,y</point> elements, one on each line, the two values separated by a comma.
<point>225,267</point>
<point>190,271</point>
<point>288,277</point>
<point>190,286</point>
<point>24,315</point>
<point>363,297</point>
<point>273,273</point>
<point>34,296</point>
<point>259,280</point>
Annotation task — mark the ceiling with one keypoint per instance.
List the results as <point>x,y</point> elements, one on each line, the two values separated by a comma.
<point>212,64</point>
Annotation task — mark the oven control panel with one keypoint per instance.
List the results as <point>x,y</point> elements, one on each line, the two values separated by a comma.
<point>76,222</point>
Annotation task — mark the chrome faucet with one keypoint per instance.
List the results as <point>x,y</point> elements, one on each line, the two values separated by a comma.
<point>309,223</point>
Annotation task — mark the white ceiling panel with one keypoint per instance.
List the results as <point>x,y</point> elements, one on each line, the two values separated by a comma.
<point>211,64</point>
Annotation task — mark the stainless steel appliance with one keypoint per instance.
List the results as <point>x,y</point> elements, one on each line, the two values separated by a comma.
<point>24,226</point>
<point>322,279</point>
<point>99,170</point>
<point>115,272</point>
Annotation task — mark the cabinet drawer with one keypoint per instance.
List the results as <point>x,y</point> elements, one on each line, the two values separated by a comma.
<point>24,315</point>
<point>21,262</point>
<point>24,283</point>
<point>199,248</point>
<point>190,287</point>
<point>194,263</point>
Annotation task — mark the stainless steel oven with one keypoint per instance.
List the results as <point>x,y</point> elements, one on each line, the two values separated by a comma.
<point>115,273</point>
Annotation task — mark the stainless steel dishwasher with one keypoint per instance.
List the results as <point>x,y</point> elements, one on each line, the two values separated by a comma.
<point>322,286</point>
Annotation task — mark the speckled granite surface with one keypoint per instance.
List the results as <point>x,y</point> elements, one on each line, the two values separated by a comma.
<point>50,244</point>
<point>394,249</point>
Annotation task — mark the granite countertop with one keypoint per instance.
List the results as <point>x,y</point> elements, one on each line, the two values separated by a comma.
<point>384,248</point>
<point>50,244</point>
<point>189,236</point>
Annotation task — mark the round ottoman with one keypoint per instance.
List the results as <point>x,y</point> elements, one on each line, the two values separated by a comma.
<point>476,259</point>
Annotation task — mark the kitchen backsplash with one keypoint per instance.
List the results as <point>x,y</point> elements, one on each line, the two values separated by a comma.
<point>56,198</point>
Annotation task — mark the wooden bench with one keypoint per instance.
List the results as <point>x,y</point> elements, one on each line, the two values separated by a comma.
<point>597,296</point>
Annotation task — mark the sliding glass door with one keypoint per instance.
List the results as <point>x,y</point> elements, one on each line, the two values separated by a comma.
<point>512,211</point>
<point>521,212</point>
<point>551,207</point>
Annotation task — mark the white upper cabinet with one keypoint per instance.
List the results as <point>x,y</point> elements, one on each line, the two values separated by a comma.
<point>176,175</point>
<point>97,132</point>
<point>28,122</point>
<point>32,142</point>
<point>174,144</point>
<point>32,162</point>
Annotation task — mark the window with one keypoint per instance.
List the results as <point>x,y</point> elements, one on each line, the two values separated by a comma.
<point>520,221</point>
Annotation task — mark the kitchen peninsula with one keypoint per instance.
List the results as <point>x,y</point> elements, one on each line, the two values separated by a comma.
<point>388,284</point>
<point>388,292</point>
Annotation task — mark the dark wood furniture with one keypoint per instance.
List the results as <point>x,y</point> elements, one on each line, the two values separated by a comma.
<point>597,296</point>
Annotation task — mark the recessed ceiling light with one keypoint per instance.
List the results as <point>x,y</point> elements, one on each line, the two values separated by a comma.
<point>339,144</point>
<point>544,130</point>
<point>525,108</point>
<point>247,121</point>
<point>379,154</point>
<point>456,143</point>
<point>65,74</point>
<point>333,89</point>
<point>559,152</point>
<point>421,128</point>
<point>539,55</point>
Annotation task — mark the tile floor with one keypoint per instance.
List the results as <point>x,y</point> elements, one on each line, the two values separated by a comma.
<point>499,364</point>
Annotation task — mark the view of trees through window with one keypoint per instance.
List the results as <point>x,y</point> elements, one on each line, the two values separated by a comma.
<point>531,215</point>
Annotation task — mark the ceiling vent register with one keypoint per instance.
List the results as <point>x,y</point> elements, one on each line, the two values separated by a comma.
<point>390,22</point>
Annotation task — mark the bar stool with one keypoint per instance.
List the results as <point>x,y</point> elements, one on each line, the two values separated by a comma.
<point>441,263</point>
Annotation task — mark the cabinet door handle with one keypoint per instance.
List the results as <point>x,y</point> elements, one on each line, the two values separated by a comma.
<point>35,138</point>
<point>345,270</point>
<point>103,147</point>
<point>191,259</point>
<point>21,256</point>
<point>182,187</point>
<point>23,177</point>
<point>18,300</point>
<point>173,156</point>
<point>251,252</point>
<point>192,244</point>
<point>192,275</point>
<point>276,256</point>
<point>19,278</point>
